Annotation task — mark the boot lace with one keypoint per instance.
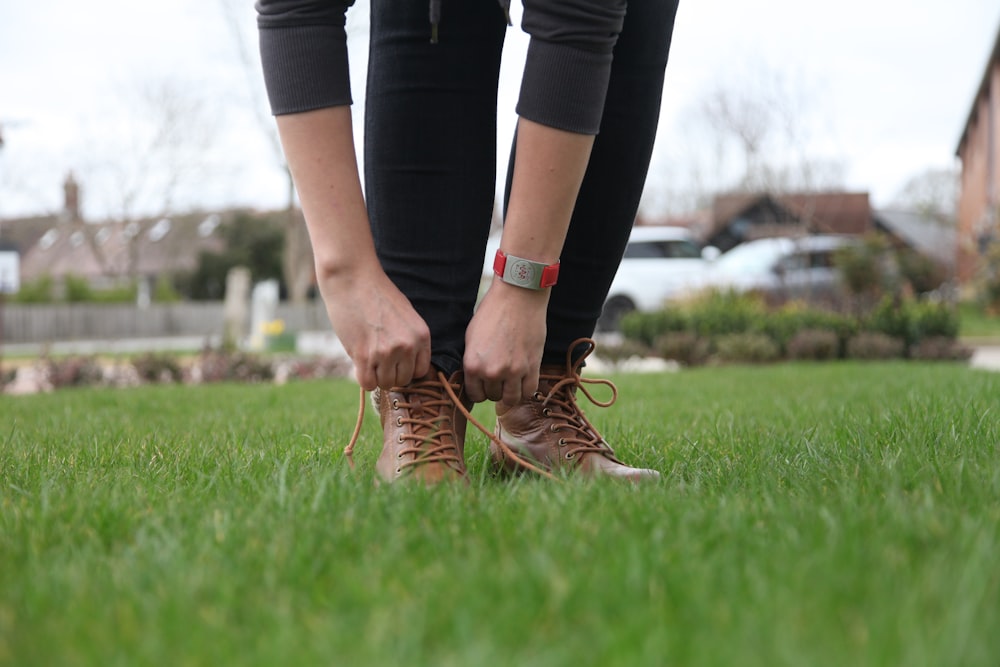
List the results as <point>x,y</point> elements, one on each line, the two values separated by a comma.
<point>428,414</point>
<point>560,405</point>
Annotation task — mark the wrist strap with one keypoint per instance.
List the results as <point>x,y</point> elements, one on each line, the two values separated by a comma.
<point>524,272</point>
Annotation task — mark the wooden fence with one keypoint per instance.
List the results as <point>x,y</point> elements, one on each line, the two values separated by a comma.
<point>70,322</point>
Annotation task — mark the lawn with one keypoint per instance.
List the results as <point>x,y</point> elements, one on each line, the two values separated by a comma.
<point>838,514</point>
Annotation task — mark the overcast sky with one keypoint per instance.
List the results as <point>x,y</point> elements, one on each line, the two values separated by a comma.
<point>883,88</point>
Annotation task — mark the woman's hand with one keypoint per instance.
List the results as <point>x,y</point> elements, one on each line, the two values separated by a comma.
<point>383,335</point>
<point>503,344</point>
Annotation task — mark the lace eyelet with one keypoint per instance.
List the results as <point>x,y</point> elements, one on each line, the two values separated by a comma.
<point>399,421</point>
<point>399,471</point>
<point>546,412</point>
<point>399,438</point>
<point>561,442</point>
<point>553,427</point>
<point>395,404</point>
<point>570,456</point>
<point>537,396</point>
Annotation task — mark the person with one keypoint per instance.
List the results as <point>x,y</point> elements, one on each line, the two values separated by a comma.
<point>399,266</point>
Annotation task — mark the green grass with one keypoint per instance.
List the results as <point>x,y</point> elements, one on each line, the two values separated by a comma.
<point>836,514</point>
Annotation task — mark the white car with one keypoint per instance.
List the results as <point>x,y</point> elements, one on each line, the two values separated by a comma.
<point>660,263</point>
<point>786,268</point>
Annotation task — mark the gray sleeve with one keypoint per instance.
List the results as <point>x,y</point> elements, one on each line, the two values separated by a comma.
<point>568,64</point>
<point>303,52</point>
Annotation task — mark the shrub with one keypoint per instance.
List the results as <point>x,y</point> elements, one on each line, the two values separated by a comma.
<point>784,324</point>
<point>922,273</point>
<point>158,367</point>
<point>682,346</point>
<point>933,320</point>
<point>814,344</point>
<point>719,313</point>
<point>752,348</point>
<point>38,290</point>
<point>74,372</point>
<point>863,265</point>
<point>940,348</point>
<point>874,345</point>
<point>645,328</point>
<point>892,318</point>
<point>222,366</point>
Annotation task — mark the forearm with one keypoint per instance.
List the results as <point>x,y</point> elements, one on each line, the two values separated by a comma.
<point>548,169</point>
<point>319,148</point>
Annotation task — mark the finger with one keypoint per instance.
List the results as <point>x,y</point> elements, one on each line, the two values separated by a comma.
<point>385,375</point>
<point>365,376</point>
<point>511,394</point>
<point>474,391</point>
<point>494,389</point>
<point>404,372</point>
<point>422,363</point>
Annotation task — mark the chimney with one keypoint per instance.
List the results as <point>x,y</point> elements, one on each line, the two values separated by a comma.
<point>71,199</point>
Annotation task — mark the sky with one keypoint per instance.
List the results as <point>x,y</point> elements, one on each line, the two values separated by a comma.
<point>881,91</point>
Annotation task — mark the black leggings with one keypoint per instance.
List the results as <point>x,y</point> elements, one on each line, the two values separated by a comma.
<point>430,163</point>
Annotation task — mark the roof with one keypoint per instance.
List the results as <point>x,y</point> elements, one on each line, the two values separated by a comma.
<point>23,233</point>
<point>922,232</point>
<point>93,250</point>
<point>822,212</point>
<point>984,85</point>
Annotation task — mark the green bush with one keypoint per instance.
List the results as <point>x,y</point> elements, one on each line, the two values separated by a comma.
<point>892,318</point>
<point>83,371</point>
<point>158,367</point>
<point>754,348</point>
<point>931,319</point>
<point>684,347</point>
<point>77,289</point>
<point>940,348</point>
<point>873,345</point>
<point>784,324</point>
<point>38,290</point>
<point>647,327</point>
<point>720,313</point>
<point>814,344</point>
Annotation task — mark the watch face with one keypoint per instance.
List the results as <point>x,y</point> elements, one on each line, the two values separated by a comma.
<point>523,273</point>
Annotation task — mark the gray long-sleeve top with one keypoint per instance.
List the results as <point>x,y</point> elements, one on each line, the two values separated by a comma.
<point>303,47</point>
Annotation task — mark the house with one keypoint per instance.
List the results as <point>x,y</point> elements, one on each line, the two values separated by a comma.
<point>110,252</point>
<point>924,233</point>
<point>979,151</point>
<point>740,217</point>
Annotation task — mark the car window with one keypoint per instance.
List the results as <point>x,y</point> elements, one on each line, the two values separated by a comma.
<point>643,250</point>
<point>683,250</point>
<point>794,262</point>
<point>679,249</point>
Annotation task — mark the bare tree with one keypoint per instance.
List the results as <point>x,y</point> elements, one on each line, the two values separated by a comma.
<point>298,258</point>
<point>932,192</point>
<point>765,117</point>
<point>161,147</point>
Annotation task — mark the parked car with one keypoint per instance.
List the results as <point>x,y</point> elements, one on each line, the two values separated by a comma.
<point>660,263</point>
<point>783,268</point>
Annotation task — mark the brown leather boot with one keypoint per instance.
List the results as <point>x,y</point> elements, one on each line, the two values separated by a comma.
<point>551,429</point>
<point>423,430</point>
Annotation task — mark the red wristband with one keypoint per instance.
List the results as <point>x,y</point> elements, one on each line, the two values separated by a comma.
<point>524,272</point>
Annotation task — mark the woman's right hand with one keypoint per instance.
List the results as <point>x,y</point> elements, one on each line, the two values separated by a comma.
<point>389,343</point>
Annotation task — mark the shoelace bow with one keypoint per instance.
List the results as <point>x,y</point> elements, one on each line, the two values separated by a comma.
<point>562,395</point>
<point>437,451</point>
